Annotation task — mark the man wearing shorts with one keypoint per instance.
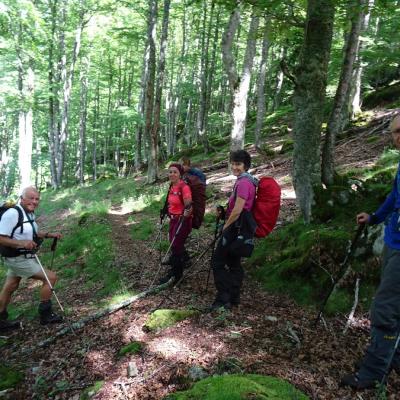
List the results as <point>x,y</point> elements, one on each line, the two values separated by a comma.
<point>20,245</point>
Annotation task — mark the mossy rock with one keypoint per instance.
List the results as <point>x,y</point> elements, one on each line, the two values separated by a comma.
<point>131,348</point>
<point>89,392</point>
<point>9,377</point>
<point>287,146</point>
<point>240,387</point>
<point>161,319</point>
<point>381,96</point>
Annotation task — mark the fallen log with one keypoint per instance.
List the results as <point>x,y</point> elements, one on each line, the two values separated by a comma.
<point>93,317</point>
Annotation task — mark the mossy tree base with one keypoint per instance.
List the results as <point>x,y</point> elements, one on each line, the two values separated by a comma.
<point>239,387</point>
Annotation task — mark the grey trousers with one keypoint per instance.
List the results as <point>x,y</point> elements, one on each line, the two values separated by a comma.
<point>385,320</point>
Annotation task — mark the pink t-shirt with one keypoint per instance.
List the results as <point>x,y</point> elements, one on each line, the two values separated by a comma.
<point>244,189</point>
<point>178,192</point>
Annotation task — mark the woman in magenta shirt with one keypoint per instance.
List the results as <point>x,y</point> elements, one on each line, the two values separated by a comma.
<point>227,268</point>
<point>180,226</point>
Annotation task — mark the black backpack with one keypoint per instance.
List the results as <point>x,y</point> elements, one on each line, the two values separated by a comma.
<point>9,251</point>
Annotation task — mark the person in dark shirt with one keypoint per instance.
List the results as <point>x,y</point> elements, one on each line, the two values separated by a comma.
<point>381,355</point>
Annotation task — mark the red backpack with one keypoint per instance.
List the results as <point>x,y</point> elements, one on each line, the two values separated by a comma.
<point>266,205</point>
<point>198,189</point>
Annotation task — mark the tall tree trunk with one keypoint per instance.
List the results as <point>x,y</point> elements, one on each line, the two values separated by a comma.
<point>261,85</point>
<point>309,96</point>
<point>159,87</point>
<point>279,81</point>
<point>240,85</point>
<point>355,92</point>
<point>67,80</point>
<point>26,87</point>
<point>204,71</point>
<point>53,97</point>
<point>82,121</point>
<point>151,37</point>
<point>335,118</point>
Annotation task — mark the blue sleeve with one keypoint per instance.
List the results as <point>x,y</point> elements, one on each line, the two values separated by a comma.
<point>386,208</point>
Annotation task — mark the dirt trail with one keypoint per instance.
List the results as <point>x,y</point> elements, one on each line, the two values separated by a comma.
<point>267,334</point>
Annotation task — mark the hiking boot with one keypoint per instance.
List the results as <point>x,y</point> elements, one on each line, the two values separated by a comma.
<point>166,278</point>
<point>47,316</point>
<point>395,368</point>
<point>354,382</point>
<point>6,325</point>
<point>218,304</point>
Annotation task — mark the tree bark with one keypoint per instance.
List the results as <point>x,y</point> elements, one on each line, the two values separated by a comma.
<point>158,96</point>
<point>335,118</point>
<point>67,81</point>
<point>309,96</point>
<point>279,81</point>
<point>261,107</point>
<point>241,91</point>
<point>82,121</point>
<point>355,92</point>
<point>152,142</point>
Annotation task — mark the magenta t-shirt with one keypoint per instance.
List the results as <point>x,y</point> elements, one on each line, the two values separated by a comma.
<point>244,189</point>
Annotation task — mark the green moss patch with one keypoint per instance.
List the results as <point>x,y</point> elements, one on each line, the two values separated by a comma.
<point>9,377</point>
<point>161,319</point>
<point>131,348</point>
<point>300,260</point>
<point>89,392</point>
<point>287,146</point>
<point>240,387</point>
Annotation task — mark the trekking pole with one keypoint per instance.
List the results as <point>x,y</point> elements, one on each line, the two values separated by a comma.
<point>343,270</point>
<point>152,247</point>
<point>169,248</point>
<point>220,217</point>
<point>387,369</point>
<point>186,275</point>
<point>53,291</point>
<point>53,250</point>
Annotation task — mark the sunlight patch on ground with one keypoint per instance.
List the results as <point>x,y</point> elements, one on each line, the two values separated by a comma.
<point>172,347</point>
<point>288,194</point>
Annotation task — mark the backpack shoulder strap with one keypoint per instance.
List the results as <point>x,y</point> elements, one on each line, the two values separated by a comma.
<point>20,222</point>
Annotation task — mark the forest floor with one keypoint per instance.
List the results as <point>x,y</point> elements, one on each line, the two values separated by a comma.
<point>268,334</point>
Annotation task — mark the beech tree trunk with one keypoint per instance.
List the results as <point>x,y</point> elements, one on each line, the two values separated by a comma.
<point>240,86</point>
<point>67,75</point>
<point>261,106</point>
<point>82,121</point>
<point>159,88</point>
<point>309,96</point>
<point>335,119</point>
<point>355,92</point>
<point>152,142</point>
<point>26,82</point>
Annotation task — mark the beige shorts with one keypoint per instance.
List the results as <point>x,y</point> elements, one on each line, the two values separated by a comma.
<point>22,267</point>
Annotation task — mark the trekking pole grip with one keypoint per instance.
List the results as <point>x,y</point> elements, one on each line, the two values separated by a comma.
<point>54,244</point>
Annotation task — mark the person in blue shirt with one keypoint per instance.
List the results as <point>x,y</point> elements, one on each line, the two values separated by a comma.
<point>191,170</point>
<point>382,355</point>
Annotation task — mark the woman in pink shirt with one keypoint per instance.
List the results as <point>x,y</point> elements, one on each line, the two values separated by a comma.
<point>227,268</point>
<point>180,226</point>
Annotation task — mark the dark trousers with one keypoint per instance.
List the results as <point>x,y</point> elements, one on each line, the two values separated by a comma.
<point>228,273</point>
<point>178,246</point>
<point>385,320</point>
